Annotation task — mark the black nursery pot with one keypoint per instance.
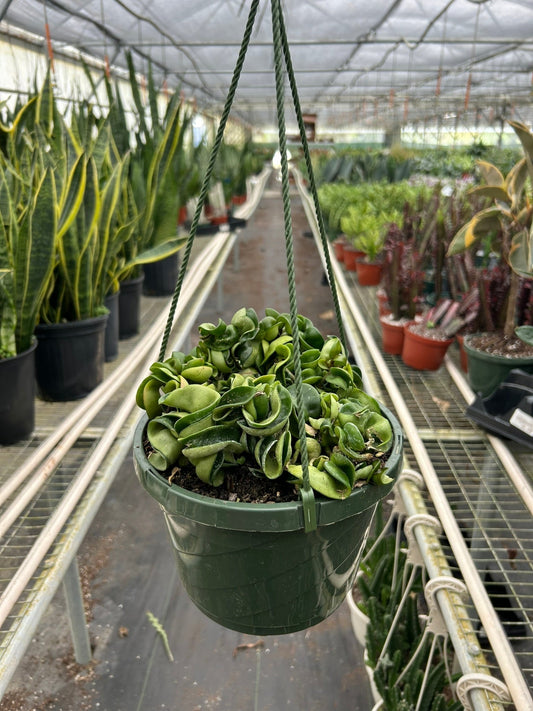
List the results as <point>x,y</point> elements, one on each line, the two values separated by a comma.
<point>129,307</point>
<point>160,277</point>
<point>17,402</point>
<point>69,361</point>
<point>111,329</point>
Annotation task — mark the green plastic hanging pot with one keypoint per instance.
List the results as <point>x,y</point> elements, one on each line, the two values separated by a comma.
<point>251,567</point>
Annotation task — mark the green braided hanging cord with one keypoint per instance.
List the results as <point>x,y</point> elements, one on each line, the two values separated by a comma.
<point>306,492</point>
<point>312,183</point>
<point>205,185</point>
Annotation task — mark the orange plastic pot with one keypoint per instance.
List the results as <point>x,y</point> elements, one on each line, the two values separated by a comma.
<point>182,215</point>
<point>351,255</point>
<point>423,353</point>
<point>218,219</point>
<point>392,334</point>
<point>338,248</point>
<point>383,303</point>
<point>368,273</point>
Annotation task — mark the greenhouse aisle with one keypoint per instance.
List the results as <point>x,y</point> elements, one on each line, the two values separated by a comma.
<point>128,570</point>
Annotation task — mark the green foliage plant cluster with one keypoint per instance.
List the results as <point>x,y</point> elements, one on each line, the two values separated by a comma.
<point>506,225</point>
<point>399,671</point>
<point>84,202</point>
<point>354,166</point>
<point>231,401</point>
<point>234,164</point>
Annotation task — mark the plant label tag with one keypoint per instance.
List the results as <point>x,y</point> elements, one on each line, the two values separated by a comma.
<point>522,421</point>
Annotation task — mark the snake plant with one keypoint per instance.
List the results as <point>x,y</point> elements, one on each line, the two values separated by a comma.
<point>160,171</point>
<point>27,227</point>
<point>232,401</point>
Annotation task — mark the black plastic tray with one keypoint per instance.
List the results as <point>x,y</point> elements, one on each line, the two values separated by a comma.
<point>508,412</point>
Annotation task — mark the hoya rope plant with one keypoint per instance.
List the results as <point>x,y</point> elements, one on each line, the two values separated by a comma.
<point>232,402</point>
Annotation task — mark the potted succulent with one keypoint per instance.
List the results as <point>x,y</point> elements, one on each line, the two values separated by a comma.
<point>364,229</point>
<point>334,199</point>
<point>219,450</point>
<point>402,279</point>
<point>505,228</point>
<point>378,565</point>
<point>27,252</point>
<point>427,339</point>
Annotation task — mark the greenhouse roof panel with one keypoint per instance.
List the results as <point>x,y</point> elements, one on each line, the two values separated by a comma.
<point>411,60</point>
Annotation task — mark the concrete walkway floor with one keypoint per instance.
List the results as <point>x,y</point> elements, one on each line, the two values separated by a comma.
<point>128,570</point>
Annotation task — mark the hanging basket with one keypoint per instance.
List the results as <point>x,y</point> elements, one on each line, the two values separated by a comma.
<point>280,567</point>
<point>252,567</point>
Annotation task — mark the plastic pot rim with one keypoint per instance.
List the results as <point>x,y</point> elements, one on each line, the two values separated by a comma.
<point>280,517</point>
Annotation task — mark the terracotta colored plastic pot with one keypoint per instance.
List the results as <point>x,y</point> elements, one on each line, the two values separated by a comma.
<point>238,199</point>
<point>338,248</point>
<point>368,273</point>
<point>392,334</point>
<point>252,567</point>
<point>383,303</point>
<point>218,219</point>
<point>351,255</point>
<point>423,353</point>
<point>182,215</point>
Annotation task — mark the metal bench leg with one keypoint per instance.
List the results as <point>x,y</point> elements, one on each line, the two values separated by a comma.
<point>76,613</point>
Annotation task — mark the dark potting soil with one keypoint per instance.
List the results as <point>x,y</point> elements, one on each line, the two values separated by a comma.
<point>499,344</point>
<point>239,485</point>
